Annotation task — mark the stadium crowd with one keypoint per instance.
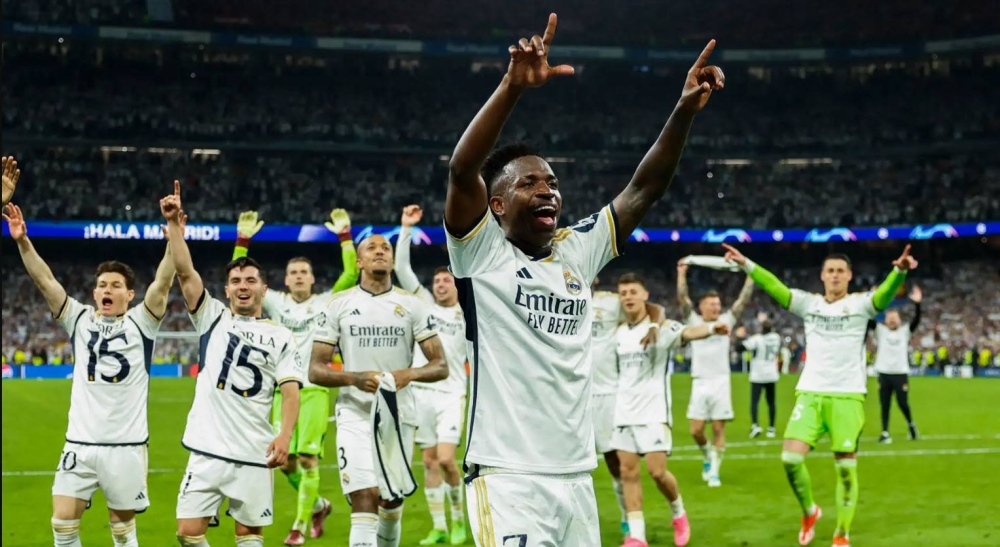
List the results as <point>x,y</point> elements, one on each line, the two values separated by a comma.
<point>961,310</point>
<point>645,23</point>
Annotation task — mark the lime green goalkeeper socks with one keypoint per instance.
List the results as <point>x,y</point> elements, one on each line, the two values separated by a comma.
<point>308,492</point>
<point>847,494</point>
<point>798,478</point>
<point>294,478</point>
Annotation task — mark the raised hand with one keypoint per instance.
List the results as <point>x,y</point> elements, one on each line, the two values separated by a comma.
<point>166,232</point>
<point>170,206</point>
<point>916,295</point>
<point>905,262</point>
<point>529,59</point>
<point>411,216</point>
<point>733,255</point>
<point>248,225</point>
<point>15,222</point>
<point>701,81</point>
<point>682,268</point>
<point>10,175</point>
<point>340,221</point>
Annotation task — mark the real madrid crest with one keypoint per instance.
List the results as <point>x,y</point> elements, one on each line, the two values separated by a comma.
<point>399,311</point>
<point>573,284</point>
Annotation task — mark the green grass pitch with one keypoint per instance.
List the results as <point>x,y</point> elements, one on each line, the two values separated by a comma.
<point>942,491</point>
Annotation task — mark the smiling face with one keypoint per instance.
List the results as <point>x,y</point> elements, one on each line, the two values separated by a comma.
<point>527,201</point>
<point>445,291</point>
<point>710,307</point>
<point>375,256</point>
<point>245,290</point>
<point>112,294</point>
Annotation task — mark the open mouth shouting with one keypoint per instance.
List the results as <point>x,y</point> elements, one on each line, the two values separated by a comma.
<point>544,216</point>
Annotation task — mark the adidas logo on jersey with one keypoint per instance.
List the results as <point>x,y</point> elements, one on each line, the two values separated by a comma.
<point>523,273</point>
<point>266,513</point>
<point>141,496</point>
<point>355,312</point>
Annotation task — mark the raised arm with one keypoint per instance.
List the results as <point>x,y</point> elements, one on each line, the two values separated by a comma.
<point>247,226</point>
<point>52,290</point>
<point>767,280</point>
<point>159,290</point>
<point>887,290</point>
<point>656,170</point>
<point>435,370</point>
<point>916,296</point>
<point>529,67</point>
<point>10,175</point>
<point>340,224</point>
<point>744,298</point>
<point>683,297</point>
<point>404,272</point>
<point>191,285</point>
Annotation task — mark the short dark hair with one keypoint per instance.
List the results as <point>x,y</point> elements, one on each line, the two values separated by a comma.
<point>113,266</point>
<point>501,158</point>
<point>243,262</point>
<point>443,269</point>
<point>632,278</point>
<point>298,259</point>
<point>839,256</point>
<point>767,326</point>
<point>709,294</point>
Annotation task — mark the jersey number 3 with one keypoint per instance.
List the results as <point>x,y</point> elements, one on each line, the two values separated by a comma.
<point>242,360</point>
<point>103,351</point>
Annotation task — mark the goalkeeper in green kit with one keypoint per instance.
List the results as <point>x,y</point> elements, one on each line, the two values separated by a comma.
<point>303,313</point>
<point>831,390</point>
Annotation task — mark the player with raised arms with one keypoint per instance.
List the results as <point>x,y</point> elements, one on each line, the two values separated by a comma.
<point>711,387</point>
<point>524,285</point>
<point>440,405</point>
<point>303,313</point>
<point>9,174</point>
<point>642,413</point>
<point>376,326</point>
<point>228,432</point>
<point>830,395</point>
<point>108,433</point>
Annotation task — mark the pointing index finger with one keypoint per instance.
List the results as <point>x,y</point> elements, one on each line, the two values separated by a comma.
<point>550,29</point>
<point>177,188</point>
<point>705,54</point>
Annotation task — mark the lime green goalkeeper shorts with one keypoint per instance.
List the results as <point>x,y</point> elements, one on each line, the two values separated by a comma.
<point>842,416</point>
<point>314,415</point>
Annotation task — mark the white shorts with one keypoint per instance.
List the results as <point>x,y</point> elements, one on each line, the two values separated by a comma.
<point>354,452</point>
<point>602,410</point>
<point>440,416</point>
<point>207,481</point>
<point>643,439</point>
<point>119,471</point>
<point>518,510</point>
<point>711,399</point>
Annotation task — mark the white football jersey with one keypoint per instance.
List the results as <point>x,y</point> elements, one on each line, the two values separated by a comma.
<point>449,324</point>
<point>710,356</point>
<point>242,359</point>
<point>835,341</point>
<point>529,344</point>
<point>892,353</point>
<point>375,332</point>
<point>607,309</point>
<point>304,319</point>
<point>643,373</point>
<point>764,363</point>
<point>111,359</point>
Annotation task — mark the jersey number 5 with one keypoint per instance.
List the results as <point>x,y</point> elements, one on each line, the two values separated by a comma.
<point>103,351</point>
<point>242,360</point>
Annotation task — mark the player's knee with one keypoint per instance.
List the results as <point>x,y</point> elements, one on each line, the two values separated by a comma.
<point>792,459</point>
<point>658,474</point>
<point>65,531</point>
<point>365,501</point>
<point>430,461</point>
<point>629,471</point>
<point>307,461</point>
<point>291,465</point>
<point>448,465</point>
<point>191,528</point>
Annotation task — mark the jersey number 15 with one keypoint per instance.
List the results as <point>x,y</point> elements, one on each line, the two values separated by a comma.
<point>242,359</point>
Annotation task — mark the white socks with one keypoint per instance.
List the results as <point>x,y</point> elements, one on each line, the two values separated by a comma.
<point>389,526</point>
<point>192,541</point>
<point>716,461</point>
<point>636,525</point>
<point>677,507</point>
<point>435,502</point>
<point>123,534</point>
<point>250,541</point>
<point>457,502</point>
<point>66,533</point>
<point>620,494</point>
<point>364,530</point>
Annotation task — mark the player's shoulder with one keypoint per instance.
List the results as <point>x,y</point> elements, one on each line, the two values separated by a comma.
<point>410,301</point>
<point>273,328</point>
<point>333,300</point>
<point>671,325</point>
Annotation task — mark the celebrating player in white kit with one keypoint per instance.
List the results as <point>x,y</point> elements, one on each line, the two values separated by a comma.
<point>107,436</point>
<point>711,391</point>
<point>376,326</point>
<point>440,405</point>
<point>642,414</point>
<point>892,362</point>
<point>525,288</point>
<point>302,312</point>
<point>608,314</point>
<point>229,435</point>
<point>764,372</point>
